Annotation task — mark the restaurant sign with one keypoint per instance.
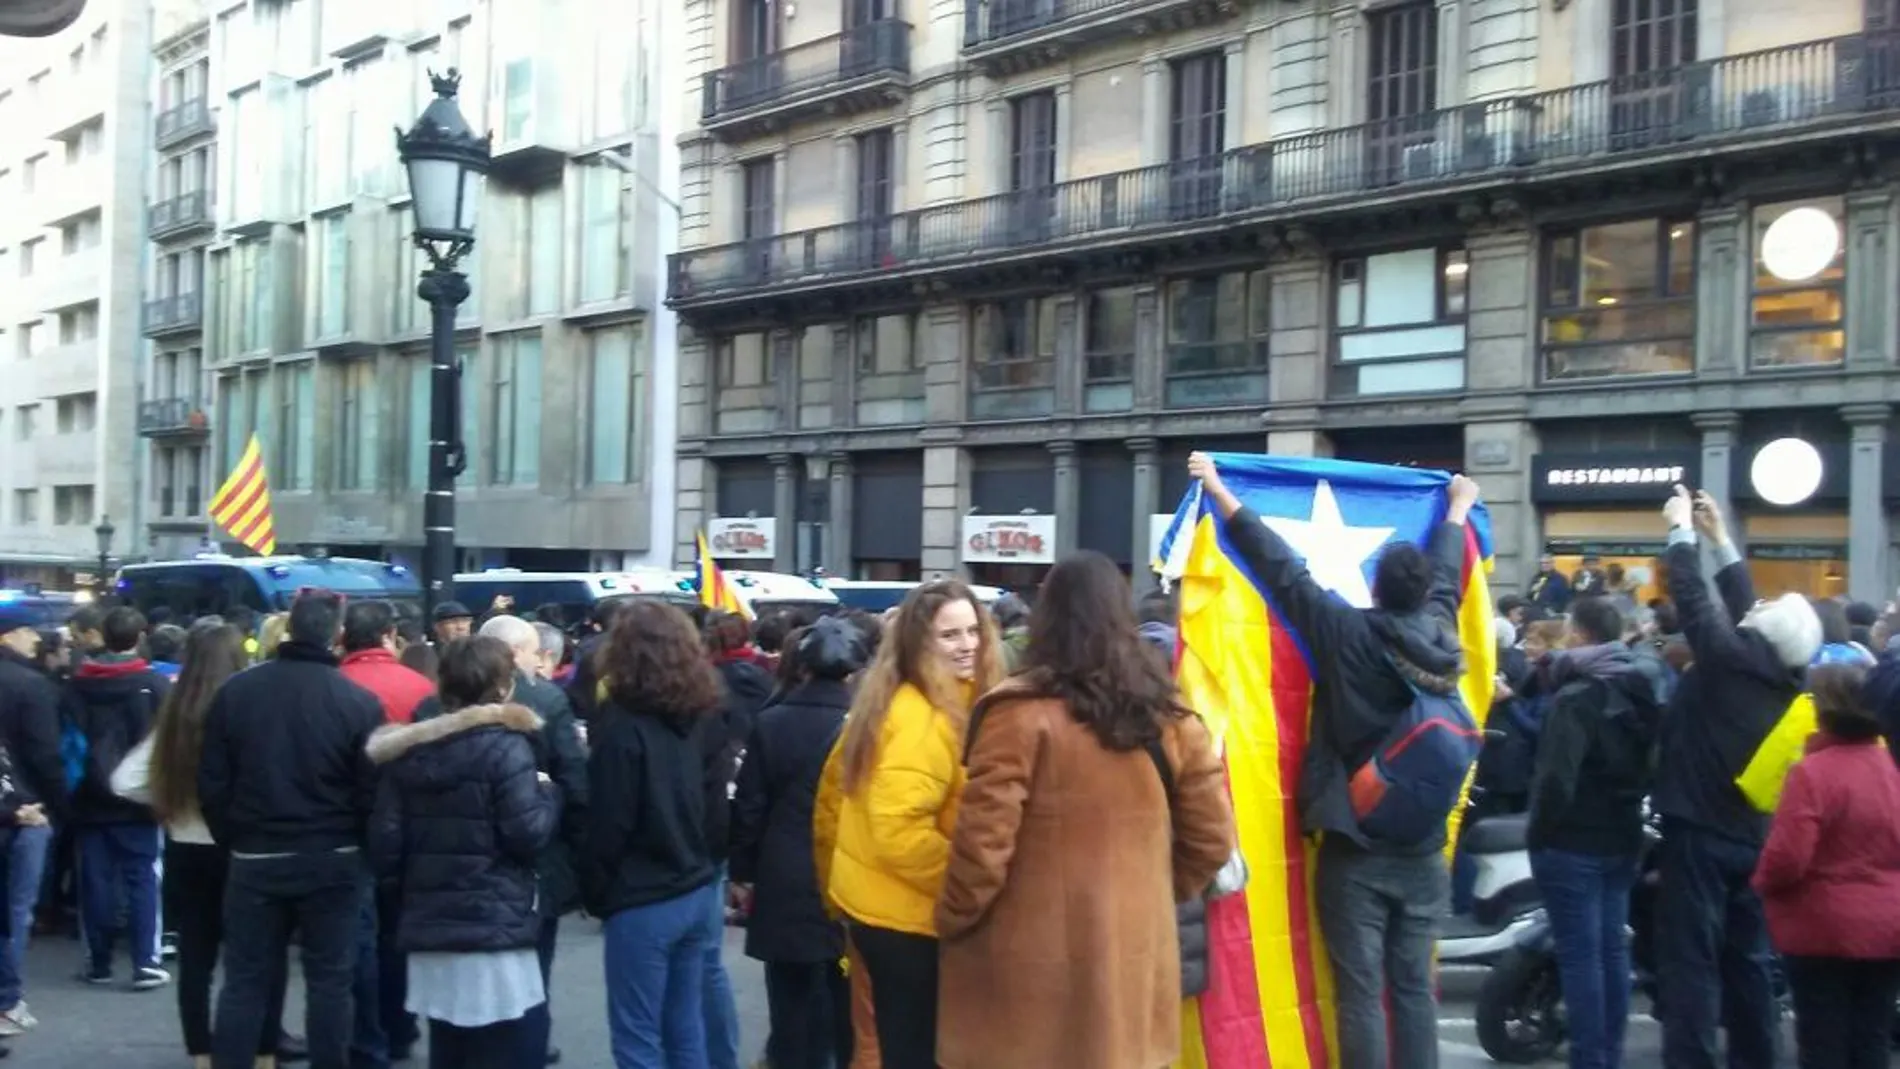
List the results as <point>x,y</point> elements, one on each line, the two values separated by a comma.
<point>743,539</point>
<point>1009,539</point>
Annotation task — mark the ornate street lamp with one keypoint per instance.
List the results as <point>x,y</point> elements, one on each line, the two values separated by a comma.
<point>104,533</point>
<point>446,162</point>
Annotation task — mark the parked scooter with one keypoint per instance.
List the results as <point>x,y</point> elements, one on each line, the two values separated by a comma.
<point>1505,902</point>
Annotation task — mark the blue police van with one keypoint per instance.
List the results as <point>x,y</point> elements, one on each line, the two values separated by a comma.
<point>214,584</point>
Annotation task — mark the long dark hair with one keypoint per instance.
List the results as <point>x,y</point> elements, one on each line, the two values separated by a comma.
<point>652,663</point>
<point>212,655</point>
<point>1084,649</point>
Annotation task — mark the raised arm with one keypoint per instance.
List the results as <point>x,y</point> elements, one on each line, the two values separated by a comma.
<point>1709,631</point>
<point>1732,580</point>
<point>1446,548</point>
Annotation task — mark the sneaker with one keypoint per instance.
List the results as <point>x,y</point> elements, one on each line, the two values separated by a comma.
<point>168,946</point>
<point>150,978</point>
<point>18,1016</point>
<point>97,976</point>
<point>10,1027</point>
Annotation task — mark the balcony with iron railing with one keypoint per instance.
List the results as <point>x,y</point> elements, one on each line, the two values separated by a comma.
<point>181,122</point>
<point>864,67</point>
<point>1780,98</point>
<point>177,314</point>
<point>1006,36</point>
<point>180,216</point>
<point>173,417</point>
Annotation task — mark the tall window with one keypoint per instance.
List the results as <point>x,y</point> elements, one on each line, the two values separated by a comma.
<point>1402,94</point>
<point>359,426</point>
<point>1619,300</point>
<point>297,417</point>
<point>1800,276</point>
<point>254,292</point>
<point>1197,132</point>
<point>615,399</point>
<point>1032,141</point>
<point>417,381</point>
<point>331,251</point>
<point>875,178</point>
<point>517,102</point>
<point>1398,321</point>
<point>327,120</point>
<point>515,396</point>
<point>757,216</point>
<point>744,394</point>
<point>1014,359</point>
<point>1217,339</point>
<point>545,251</point>
<point>1108,350</point>
<point>604,233</point>
<point>754,29</point>
<point>889,385</point>
<point>470,360</point>
<point>1651,42</point>
<point>72,505</point>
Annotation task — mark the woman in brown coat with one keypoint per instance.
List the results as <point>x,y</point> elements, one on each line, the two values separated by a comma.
<point>1095,802</point>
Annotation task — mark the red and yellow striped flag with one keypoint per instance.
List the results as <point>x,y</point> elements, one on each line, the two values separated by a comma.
<point>715,592</point>
<point>242,505</point>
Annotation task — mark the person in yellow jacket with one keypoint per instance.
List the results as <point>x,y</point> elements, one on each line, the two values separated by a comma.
<point>887,804</point>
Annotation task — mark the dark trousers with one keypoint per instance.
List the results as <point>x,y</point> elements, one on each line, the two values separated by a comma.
<point>810,1008</point>
<point>540,1023</point>
<point>1379,914</point>
<point>317,897</point>
<point>400,1029</point>
<point>1714,966</point>
<point>502,1045</point>
<point>118,879</point>
<point>194,902</point>
<point>1843,1011</point>
<point>369,1044</point>
<point>1588,900</point>
<point>903,971</point>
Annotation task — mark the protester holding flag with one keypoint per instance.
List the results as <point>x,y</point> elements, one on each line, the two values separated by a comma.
<point>887,803</point>
<point>1095,803</point>
<point>1379,655</point>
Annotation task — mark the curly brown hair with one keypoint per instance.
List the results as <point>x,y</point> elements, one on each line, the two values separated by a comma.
<point>1084,649</point>
<point>652,664</point>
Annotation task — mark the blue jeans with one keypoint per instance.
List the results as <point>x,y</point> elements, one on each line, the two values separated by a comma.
<point>656,975</point>
<point>369,1044</point>
<point>26,867</point>
<point>119,866</point>
<point>722,1011</point>
<point>1588,899</point>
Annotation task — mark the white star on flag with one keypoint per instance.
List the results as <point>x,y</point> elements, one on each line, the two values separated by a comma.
<point>1335,554</point>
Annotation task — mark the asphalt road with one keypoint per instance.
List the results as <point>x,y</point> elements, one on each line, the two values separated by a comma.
<point>91,1028</point>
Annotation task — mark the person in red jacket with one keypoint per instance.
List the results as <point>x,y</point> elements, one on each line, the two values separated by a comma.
<point>369,661</point>
<point>1829,879</point>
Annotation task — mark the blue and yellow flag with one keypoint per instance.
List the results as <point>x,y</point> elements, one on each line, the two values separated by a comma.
<point>1246,670</point>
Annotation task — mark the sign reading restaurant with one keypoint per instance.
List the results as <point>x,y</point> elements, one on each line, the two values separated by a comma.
<point>1625,478</point>
<point>1653,475</point>
<point>743,539</point>
<point>1009,539</point>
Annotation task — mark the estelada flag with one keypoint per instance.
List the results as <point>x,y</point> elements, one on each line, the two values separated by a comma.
<point>1246,670</point>
<point>242,505</point>
<point>715,590</point>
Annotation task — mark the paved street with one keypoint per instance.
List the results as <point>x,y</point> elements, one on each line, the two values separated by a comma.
<point>86,1028</point>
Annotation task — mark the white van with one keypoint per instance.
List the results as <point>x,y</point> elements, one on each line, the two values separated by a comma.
<point>764,593</point>
<point>876,595</point>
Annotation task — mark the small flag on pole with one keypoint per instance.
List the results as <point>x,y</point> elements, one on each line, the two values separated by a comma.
<point>714,591</point>
<point>242,505</point>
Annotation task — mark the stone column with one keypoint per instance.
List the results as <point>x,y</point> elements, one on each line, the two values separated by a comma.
<point>782,367</point>
<point>1068,369</point>
<point>1871,310</point>
<point>845,174</point>
<point>1154,111</point>
<point>1299,442</point>
<point>1068,497</point>
<point>1298,348</point>
<point>1065,128</point>
<point>785,512</point>
<point>946,499</point>
<point>1501,350</point>
<point>693,484</point>
<point>839,554</point>
<point>998,110</point>
<point>1234,133</point>
<point>1150,349</point>
<point>1345,83</point>
<point>1718,465</point>
<point>1867,535</point>
<point>844,379</point>
<point>945,360</point>
<point>1148,501</point>
<point>1722,282</point>
<point>900,164</point>
<point>1498,455</point>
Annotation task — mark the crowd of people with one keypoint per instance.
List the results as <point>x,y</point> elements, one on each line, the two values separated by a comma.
<point>957,836</point>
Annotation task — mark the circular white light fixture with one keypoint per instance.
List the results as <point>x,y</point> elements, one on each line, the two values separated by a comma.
<point>1801,244</point>
<point>1787,471</point>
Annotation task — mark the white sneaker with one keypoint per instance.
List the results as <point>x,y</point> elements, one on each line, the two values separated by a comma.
<point>16,1021</point>
<point>150,978</point>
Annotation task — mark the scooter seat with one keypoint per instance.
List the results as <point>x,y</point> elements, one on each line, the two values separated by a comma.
<point>1496,835</point>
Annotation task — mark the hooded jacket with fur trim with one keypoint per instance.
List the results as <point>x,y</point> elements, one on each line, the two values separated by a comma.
<point>460,819</point>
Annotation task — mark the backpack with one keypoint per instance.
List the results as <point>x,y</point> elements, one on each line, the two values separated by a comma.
<point>1405,793</point>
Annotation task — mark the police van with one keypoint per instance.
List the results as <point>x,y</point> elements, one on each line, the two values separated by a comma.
<point>577,593</point>
<point>877,595</point>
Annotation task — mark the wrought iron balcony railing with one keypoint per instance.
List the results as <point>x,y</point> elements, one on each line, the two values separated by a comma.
<point>180,121</point>
<point>808,70</point>
<point>187,211</point>
<point>172,415</point>
<point>988,22</point>
<point>1763,96</point>
<point>167,315</point>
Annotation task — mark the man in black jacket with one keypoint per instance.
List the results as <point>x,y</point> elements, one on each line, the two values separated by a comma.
<point>1379,902</point>
<point>1750,660</point>
<point>29,729</point>
<point>558,753</point>
<point>1592,773</point>
<point>113,699</point>
<point>287,787</point>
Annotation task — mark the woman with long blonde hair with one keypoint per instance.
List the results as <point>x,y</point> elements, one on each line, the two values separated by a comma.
<point>887,803</point>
